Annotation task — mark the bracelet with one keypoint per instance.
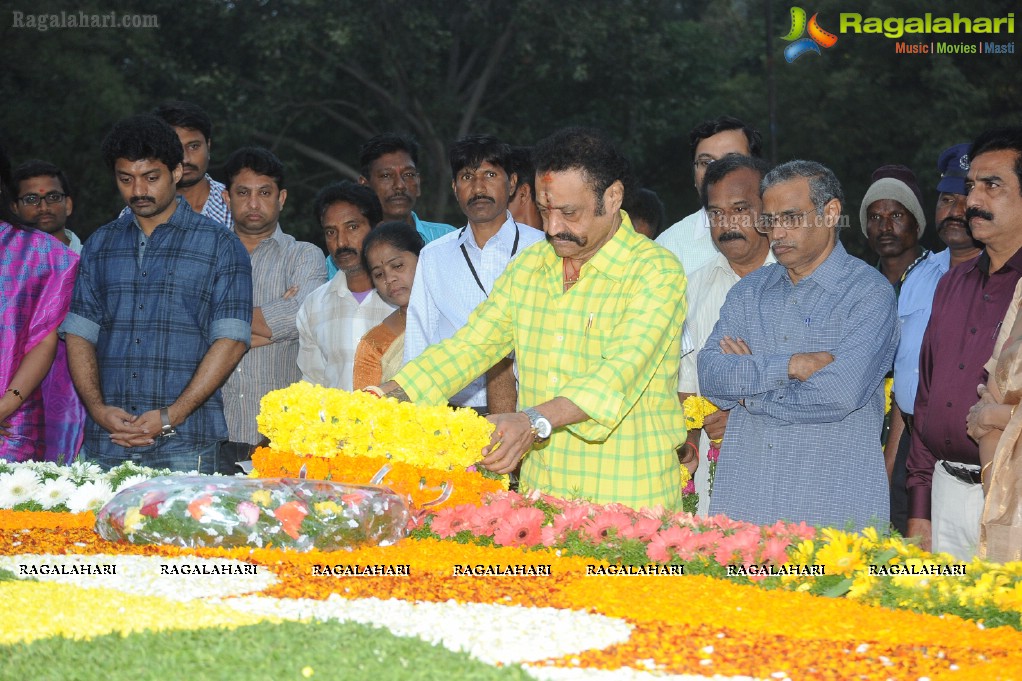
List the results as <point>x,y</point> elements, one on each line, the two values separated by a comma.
<point>17,393</point>
<point>373,390</point>
<point>983,472</point>
<point>681,448</point>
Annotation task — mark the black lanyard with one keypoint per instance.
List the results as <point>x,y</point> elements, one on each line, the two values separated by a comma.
<point>468,261</point>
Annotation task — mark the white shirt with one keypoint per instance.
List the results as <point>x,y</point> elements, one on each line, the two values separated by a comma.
<point>707,289</point>
<point>690,241</point>
<point>445,290</point>
<point>330,323</point>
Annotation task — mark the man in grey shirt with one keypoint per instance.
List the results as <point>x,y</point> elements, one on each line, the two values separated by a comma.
<point>284,272</point>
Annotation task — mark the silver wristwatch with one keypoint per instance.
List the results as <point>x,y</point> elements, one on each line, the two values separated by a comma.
<point>167,430</point>
<point>541,427</point>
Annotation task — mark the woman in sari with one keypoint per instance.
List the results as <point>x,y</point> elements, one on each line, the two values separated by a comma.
<point>389,253</point>
<point>995,422</point>
<point>38,274</point>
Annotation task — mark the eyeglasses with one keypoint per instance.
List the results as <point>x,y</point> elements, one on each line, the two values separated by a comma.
<point>786,221</point>
<point>36,199</point>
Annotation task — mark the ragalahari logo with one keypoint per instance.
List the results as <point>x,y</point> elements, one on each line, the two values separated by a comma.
<point>817,36</point>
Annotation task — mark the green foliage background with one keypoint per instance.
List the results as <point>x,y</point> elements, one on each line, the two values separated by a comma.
<point>313,79</point>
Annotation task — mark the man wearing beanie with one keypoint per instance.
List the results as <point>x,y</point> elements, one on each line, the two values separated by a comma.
<point>944,477</point>
<point>914,302</point>
<point>892,219</point>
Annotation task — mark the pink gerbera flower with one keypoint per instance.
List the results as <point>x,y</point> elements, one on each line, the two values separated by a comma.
<point>599,527</point>
<point>775,550</point>
<point>485,519</point>
<point>644,528</point>
<point>678,541</point>
<point>572,518</point>
<point>520,527</point>
<point>450,521</point>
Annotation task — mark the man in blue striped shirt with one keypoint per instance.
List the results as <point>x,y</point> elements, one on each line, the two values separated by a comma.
<point>799,356</point>
<point>161,314</point>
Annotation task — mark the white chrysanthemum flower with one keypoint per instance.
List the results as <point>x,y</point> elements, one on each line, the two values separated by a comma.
<point>54,492</point>
<point>17,487</point>
<point>132,480</point>
<point>84,471</point>
<point>90,497</point>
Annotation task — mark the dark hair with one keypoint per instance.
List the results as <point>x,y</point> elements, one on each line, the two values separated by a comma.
<point>1008,138</point>
<point>180,114</point>
<point>521,164</point>
<point>259,160</point>
<point>141,137</point>
<point>587,150</point>
<point>646,205</point>
<point>474,150</point>
<point>723,167</point>
<point>386,143</point>
<point>360,196</point>
<point>7,194</point>
<point>823,183</point>
<point>721,124</point>
<point>400,235</point>
<point>37,168</point>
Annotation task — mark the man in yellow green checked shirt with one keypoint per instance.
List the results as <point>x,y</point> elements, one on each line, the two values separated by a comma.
<point>594,318</point>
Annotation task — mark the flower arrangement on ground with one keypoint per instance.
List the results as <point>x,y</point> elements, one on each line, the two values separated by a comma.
<point>79,487</point>
<point>316,421</point>
<point>193,511</point>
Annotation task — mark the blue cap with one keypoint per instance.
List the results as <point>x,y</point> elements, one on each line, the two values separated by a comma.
<point>954,167</point>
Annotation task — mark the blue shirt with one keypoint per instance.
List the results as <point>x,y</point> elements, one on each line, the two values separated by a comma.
<point>914,304</point>
<point>803,450</point>
<point>429,231</point>
<point>153,306</point>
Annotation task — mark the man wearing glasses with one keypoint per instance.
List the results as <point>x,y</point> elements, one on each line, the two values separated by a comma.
<point>799,355</point>
<point>44,201</point>
<point>689,239</point>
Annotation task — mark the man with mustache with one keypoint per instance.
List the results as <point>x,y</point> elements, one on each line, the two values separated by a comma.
<point>731,199</point>
<point>161,314</point>
<point>284,272</point>
<point>456,272</point>
<point>336,315</point>
<point>799,356</point>
<point>892,219</point>
<point>914,302</point>
<point>195,130</point>
<point>594,318</point>
<point>389,164</point>
<point>689,239</point>
<point>944,481</point>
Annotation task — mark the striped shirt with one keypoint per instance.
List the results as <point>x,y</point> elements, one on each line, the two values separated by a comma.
<point>610,344</point>
<point>803,450</point>
<point>330,323</point>
<point>278,263</point>
<point>446,290</point>
<point>153,306</point>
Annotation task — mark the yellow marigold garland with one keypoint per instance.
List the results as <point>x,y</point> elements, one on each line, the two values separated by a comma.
<point>325,422</point>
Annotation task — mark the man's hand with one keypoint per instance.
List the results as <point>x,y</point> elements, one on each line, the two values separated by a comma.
<point>715,423</point>
<point>125,429</point>
<point>512,437</point>
<point>923,530</point>
<point>802,365</point>
<point>290,293</point>
<point>734,346</point>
